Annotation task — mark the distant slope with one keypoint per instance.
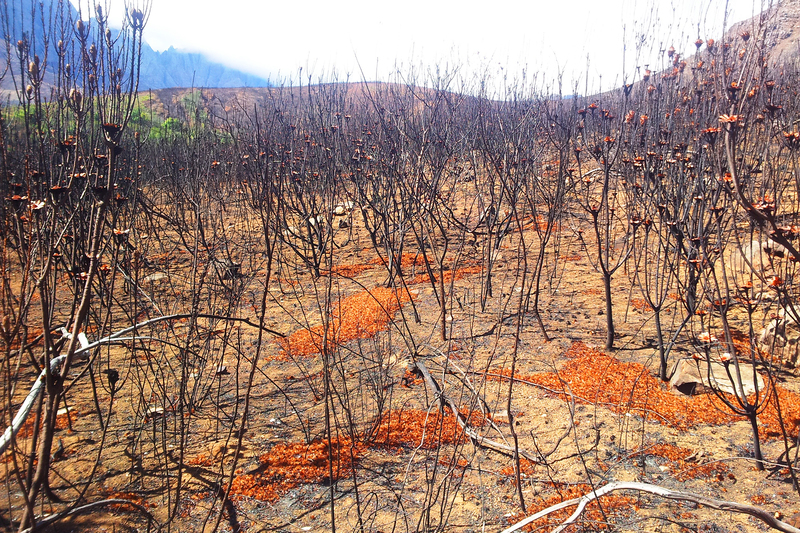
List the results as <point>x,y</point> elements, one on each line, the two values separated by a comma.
<point>171,102</point>
<point>172,68</point>
<point>783,29</point>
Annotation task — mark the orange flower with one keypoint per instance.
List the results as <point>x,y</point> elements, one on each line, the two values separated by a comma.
<point>729,119</point>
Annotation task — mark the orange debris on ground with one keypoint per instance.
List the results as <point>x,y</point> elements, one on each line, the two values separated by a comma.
<point>683,469</point>
<point>541,223</point>
<point>406,260</point>
<point>130,496</point>
<point>409,260</point>
<point>526,468</point>
<point>591,376</point>
<point>640,304</point>
<point>449,275</point>
<point>347,271</point>
<point>288,465</point>
<point>421,429</point>
<point>62,422</point>
<point>33,332</point>
<point>360,316</point>
<point>613,505</point>
<point>202,459</point>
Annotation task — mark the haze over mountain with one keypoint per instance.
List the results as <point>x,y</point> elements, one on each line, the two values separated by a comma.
<point>170,68</point>
<point>173,68</point>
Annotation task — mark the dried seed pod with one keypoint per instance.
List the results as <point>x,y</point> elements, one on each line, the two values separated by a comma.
<point>137,19</point>
<point>33,70</point>
<point>76,96</point>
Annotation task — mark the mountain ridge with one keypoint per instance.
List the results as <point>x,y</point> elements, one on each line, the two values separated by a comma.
<point>159,70</point>
<point>174,68</point>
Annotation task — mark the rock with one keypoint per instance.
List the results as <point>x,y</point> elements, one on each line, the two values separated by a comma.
<point>339,211</point>
<point>218,450</point>
<point>781,338</point>
<point>318,220</point>
<point>156,276</point>
<point>154,412</point>
<point>773,249</point>
<point>500,417</point>
<point>692,377</point>
<point>291,232</point>
<point>760,254</point>
<point>227,269</point>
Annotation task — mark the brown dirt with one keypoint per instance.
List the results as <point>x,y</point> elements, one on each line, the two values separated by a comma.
<point>592,416</point>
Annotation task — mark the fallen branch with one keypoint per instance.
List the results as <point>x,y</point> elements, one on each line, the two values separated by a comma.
<point>480,440</point>
<point>721,505</point>
<point>91,507</point>
<point>30,399</point>
<point>85,346</point>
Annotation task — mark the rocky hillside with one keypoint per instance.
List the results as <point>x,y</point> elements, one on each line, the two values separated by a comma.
<point>171,68</point>
<point>781,27</point>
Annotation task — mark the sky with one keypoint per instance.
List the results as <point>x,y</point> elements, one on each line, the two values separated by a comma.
<point>359,39</point>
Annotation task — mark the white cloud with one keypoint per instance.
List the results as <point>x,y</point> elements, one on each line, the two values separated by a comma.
<point>278,38</point>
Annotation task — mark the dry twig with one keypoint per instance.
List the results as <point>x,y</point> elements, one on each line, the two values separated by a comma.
<point>722,505</point>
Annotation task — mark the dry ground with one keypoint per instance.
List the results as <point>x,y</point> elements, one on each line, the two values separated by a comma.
<point>586,415</point>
